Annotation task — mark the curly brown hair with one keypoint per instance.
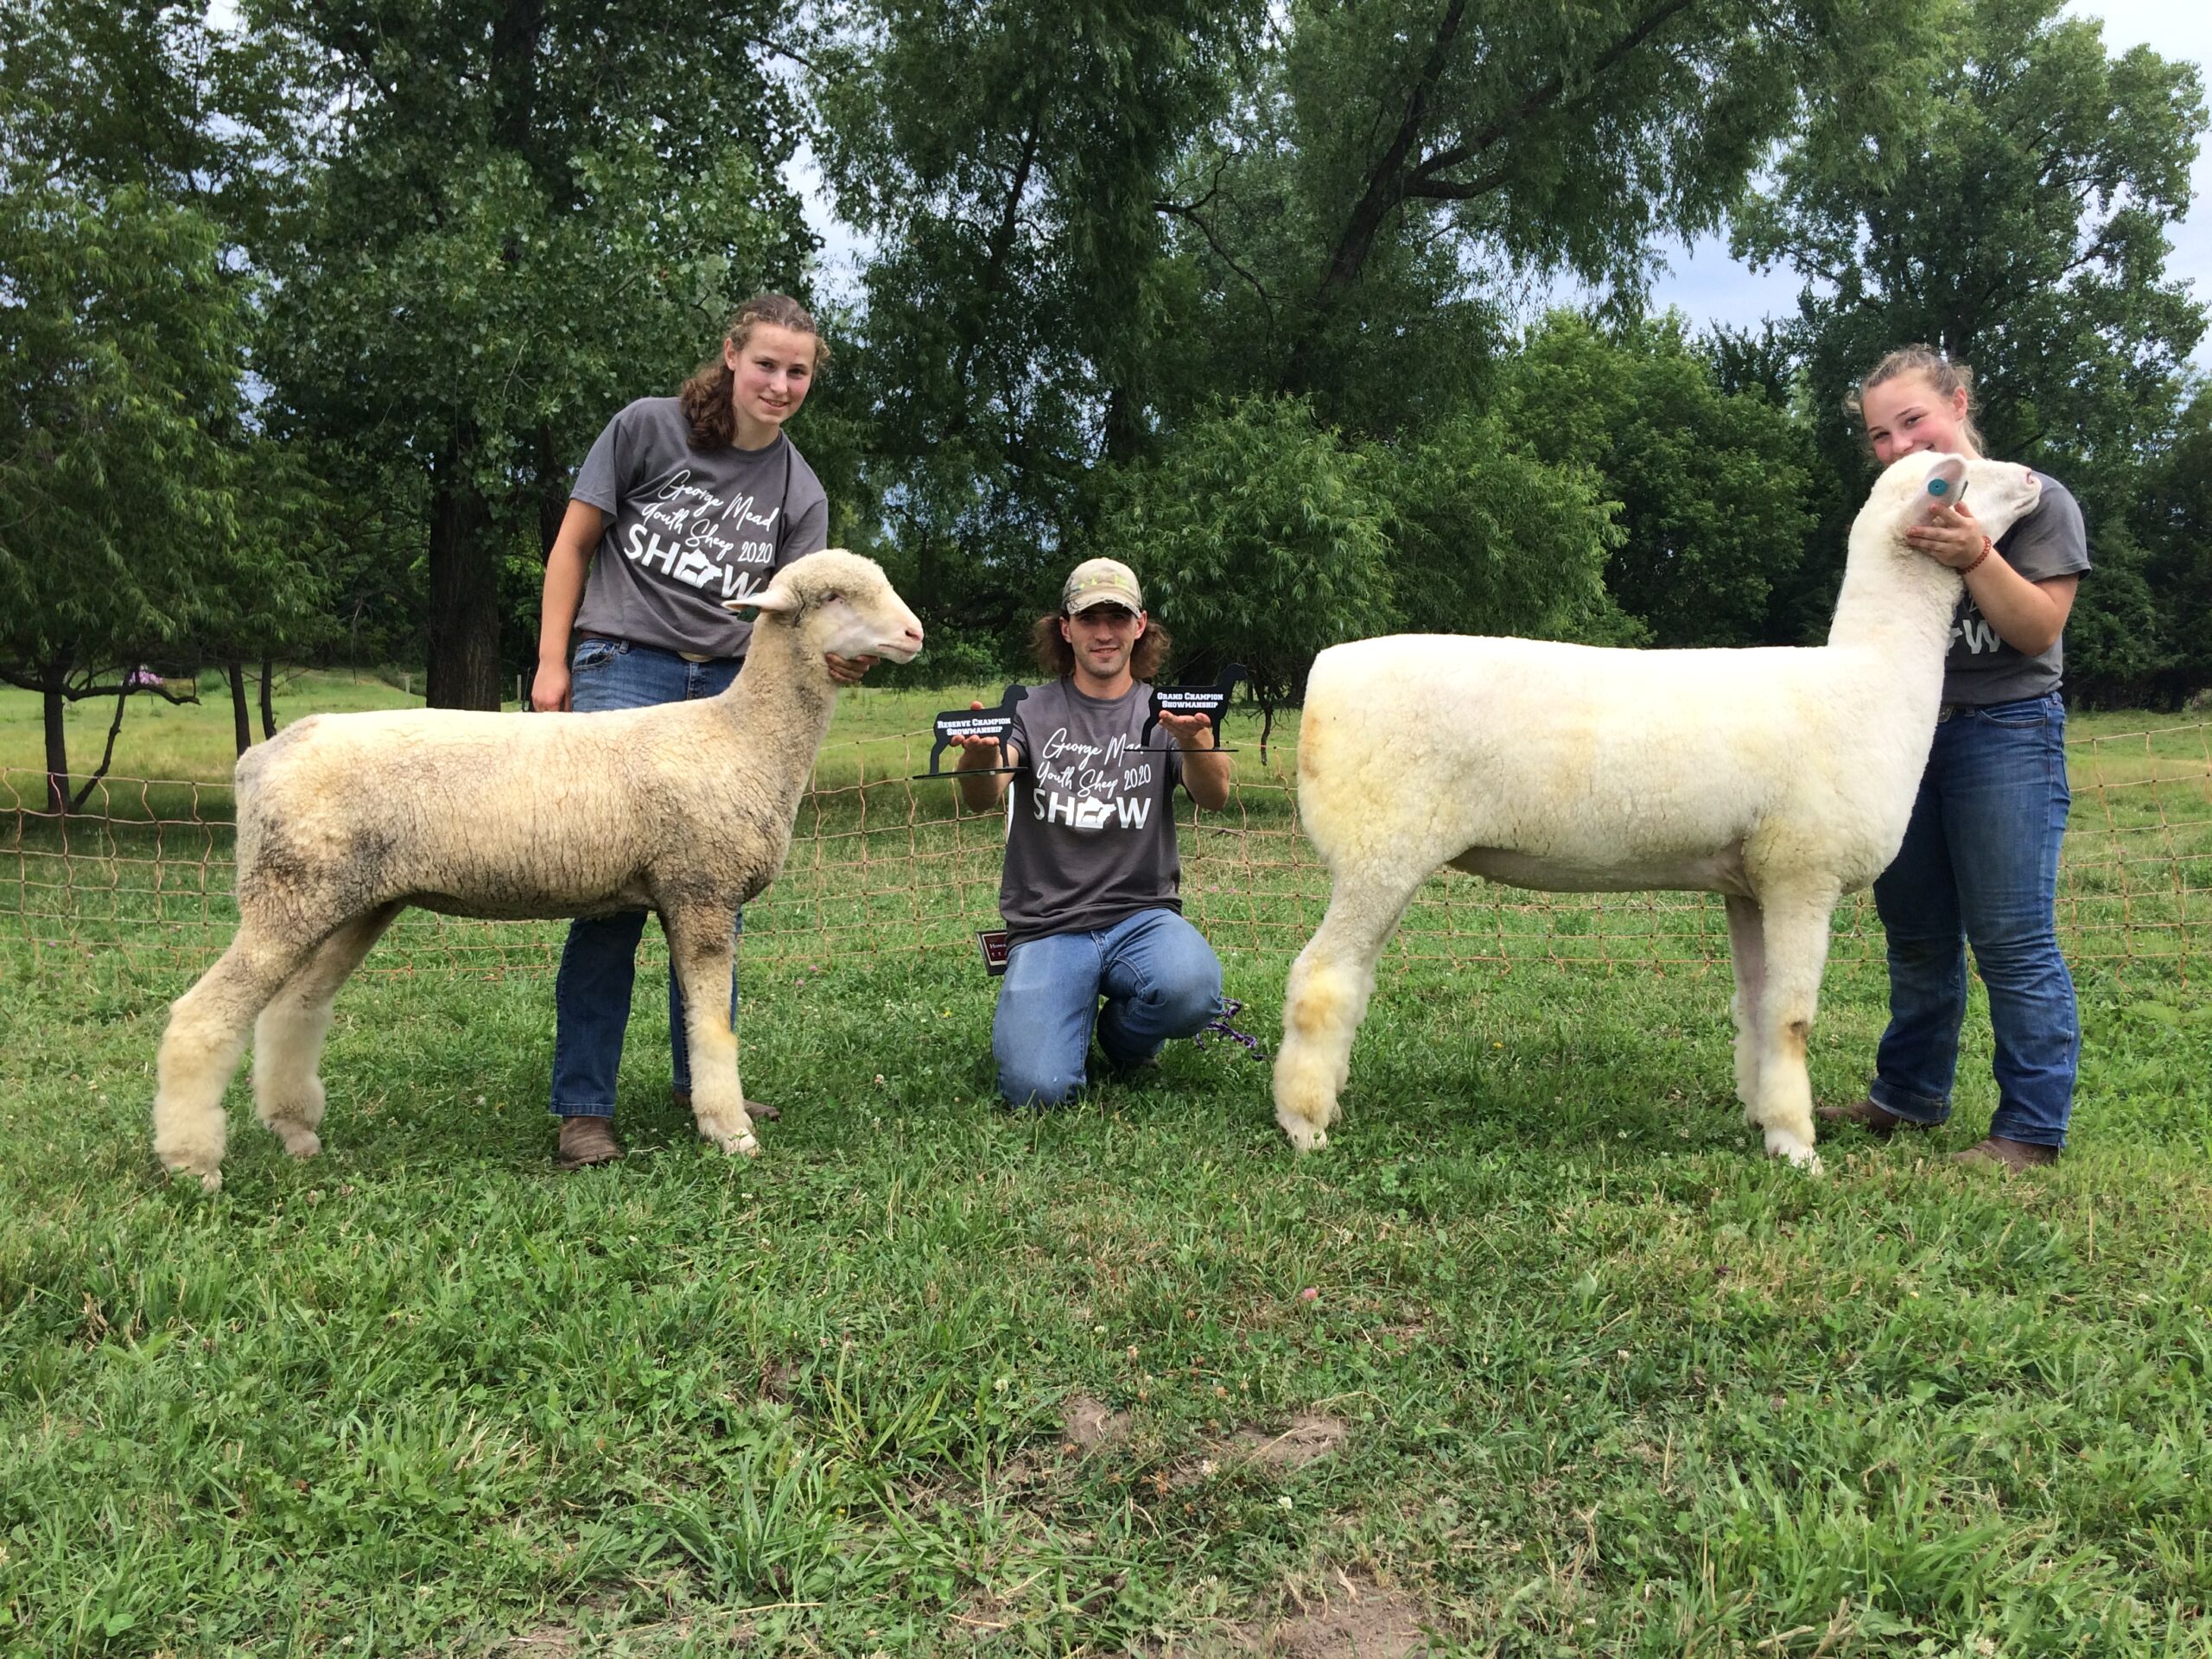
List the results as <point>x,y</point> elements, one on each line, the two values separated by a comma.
<point>1056,657</point>
<point>708,396</point>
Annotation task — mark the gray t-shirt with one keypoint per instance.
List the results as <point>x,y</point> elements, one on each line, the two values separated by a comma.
<point>688,529</point>
<point>1092,840</point>
<point>1982,669</point>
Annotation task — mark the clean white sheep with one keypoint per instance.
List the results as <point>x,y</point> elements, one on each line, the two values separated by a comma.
<point>1780,777</point>
<point>345,820</point>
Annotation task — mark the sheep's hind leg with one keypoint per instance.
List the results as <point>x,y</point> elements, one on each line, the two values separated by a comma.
<point>1795,950</point>
<point>1327,999</point>
<point>203,1044</point>
<point>1747,951</point>
<point>287,1094</point>
<point>700,953</point>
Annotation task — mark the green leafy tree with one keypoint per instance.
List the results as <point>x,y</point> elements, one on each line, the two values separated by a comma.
<point>2014,213</point>
<point>2016,217</point>
<point>1397,162</point>
<point>492,224</point>
<point>273,597</point>
<point>1262,540</point>
<point>1007,160</point>
<point>1711,485</point>
<point>1488,537</point>
<point>124,321</point>
<point>2173,522</point>
<point>116,495</point>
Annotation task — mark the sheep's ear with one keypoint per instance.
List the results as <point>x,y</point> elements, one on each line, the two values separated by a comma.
<point>768,599</point>
<point>1946,483</point>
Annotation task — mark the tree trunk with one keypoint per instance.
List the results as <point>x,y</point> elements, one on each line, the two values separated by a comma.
<point>268,707</point>
<point>57,746</point>
<point>241,719</point>
<point>464,619</point>
<point>107,755</point>
<point>1266,726</point>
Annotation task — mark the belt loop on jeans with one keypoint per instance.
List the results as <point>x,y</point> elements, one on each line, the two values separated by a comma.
<point>1947,709</point>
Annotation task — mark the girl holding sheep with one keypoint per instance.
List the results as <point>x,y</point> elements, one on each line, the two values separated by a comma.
<point>1980,863</point>
<point>683,504</point>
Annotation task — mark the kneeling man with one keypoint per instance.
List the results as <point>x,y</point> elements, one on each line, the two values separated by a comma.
<point>1089,895</point>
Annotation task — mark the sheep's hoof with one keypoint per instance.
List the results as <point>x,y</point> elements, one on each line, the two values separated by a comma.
<point>299,1139</point>
<point>1306,1137</point>
<point>739,1145</point>
<point>211,1181</point>
<point>1780,1143</point>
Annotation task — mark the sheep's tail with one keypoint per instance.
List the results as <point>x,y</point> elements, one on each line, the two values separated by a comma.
<point>248,784</point>
<point>1326,760</point>
<point>245,783</point>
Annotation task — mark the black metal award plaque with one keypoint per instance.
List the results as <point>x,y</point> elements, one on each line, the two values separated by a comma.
<point>974,723</point>
<point>1211,701</point>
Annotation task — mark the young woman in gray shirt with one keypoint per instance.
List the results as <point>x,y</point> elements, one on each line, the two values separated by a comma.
<point>684,504</point>
<point>1980,864</point>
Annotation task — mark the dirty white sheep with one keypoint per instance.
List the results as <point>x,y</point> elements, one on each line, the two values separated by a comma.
<point>345,820</point>
<point>1780,777</point>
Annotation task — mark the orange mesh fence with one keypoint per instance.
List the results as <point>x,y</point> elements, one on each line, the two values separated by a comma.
<point>883,864</point>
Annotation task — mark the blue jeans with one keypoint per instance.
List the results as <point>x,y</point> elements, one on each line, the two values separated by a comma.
<point>1980,864</point>
<point>599,964</point>
<point>1160,978</point>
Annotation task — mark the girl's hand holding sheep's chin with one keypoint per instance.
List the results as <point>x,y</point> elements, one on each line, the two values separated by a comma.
<point>1952,536</point>
<point>848,670</point>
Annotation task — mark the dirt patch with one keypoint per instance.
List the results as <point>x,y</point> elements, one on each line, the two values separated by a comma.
<point>1370,1624</point>
<point>779,1380</point>
<point>1087,1424</point>
<point>1310,1436</point>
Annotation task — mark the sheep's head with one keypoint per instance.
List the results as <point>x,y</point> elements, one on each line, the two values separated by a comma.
<point>1913,488</point>
<point>844,602</point>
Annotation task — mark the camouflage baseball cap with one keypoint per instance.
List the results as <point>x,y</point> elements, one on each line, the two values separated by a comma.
<point>1100,582</point>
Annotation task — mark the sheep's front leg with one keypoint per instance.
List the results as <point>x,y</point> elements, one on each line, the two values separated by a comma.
<point>1747,952</point>
<point>1797,949</point>
<point>1327,999</point>
<point>204,1042</point>
<point>288,1038</point>
<point>700,951</point>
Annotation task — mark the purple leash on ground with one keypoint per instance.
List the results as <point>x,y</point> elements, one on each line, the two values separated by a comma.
<point>1230,1007</point>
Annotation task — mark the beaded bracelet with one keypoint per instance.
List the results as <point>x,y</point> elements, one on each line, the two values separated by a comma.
<point>1988,547</point>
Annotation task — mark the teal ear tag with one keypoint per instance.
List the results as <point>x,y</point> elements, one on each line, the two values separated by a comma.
<point>748,614</point>
<point>1939,487</point>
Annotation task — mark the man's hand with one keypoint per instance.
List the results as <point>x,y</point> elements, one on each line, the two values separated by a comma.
<point>549,692</point>
<point>1205,780</point>
<point>848,670</point>
<point>1186,729</point>
<point>977,749</point>
<point>983,788</point>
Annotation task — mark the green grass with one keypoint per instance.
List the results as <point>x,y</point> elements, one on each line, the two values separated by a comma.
<point>1611,1384</point>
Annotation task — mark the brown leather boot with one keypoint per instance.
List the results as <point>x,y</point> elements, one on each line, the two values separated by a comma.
<point>1868,1116</point>
<point>2011,1156</point>
<point>758,1111</point>
<point>585,1142</point>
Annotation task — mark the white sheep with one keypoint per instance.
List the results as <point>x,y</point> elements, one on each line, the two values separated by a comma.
<point>344,820</point>
<point>1781,778</point>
